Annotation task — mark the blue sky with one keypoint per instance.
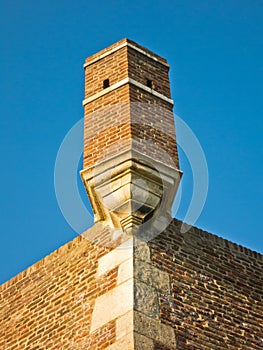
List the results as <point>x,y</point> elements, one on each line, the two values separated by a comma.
<point>214,48</point>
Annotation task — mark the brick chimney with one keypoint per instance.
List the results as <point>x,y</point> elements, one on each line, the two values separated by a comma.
<point>130,171</point>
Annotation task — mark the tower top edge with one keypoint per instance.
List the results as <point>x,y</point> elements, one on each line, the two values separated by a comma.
<point>119,45</point>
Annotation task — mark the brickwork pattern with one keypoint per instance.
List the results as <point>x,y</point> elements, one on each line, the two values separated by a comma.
<point>215,299</point>
<point>113,67</point>
<point>49,305</point>
<point>200,290</point>
<point>140,69</point>
<point>107,129</point>
<point>152,127</point>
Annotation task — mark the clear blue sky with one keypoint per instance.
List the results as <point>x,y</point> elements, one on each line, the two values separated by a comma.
<point>215,51</point>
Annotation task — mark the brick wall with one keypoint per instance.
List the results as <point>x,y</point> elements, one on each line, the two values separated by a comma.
<point>215,297</point>
<point>48,305</point>
<point>142,68</point>
<point>192,291</point>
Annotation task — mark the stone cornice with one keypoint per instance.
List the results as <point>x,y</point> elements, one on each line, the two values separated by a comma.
<point>123,82</point>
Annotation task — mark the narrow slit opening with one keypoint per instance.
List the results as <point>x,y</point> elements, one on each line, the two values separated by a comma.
<point>106,83</point>
<point>149,83</point>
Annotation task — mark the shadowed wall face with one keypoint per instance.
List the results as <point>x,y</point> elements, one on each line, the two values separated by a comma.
<point>215,294</point>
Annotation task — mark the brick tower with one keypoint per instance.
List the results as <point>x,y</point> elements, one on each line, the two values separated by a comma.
<point>134,280</point>
<point>131,170</point>
<point>131,174</point>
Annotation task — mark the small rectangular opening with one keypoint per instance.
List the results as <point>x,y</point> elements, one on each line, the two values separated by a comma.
<point>149,83</point>
<point>106,83</point>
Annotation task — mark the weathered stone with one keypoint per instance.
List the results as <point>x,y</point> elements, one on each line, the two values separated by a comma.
<point>125,343</point>
<point>125,271</point>
<point>154,329</point>
<point>124,325</point>
<point>141,250</point>
<point>142,342</point>
<point>122,299</point>
<point>151,275</point>
<point>145,299</point>
<point>115,257</point>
